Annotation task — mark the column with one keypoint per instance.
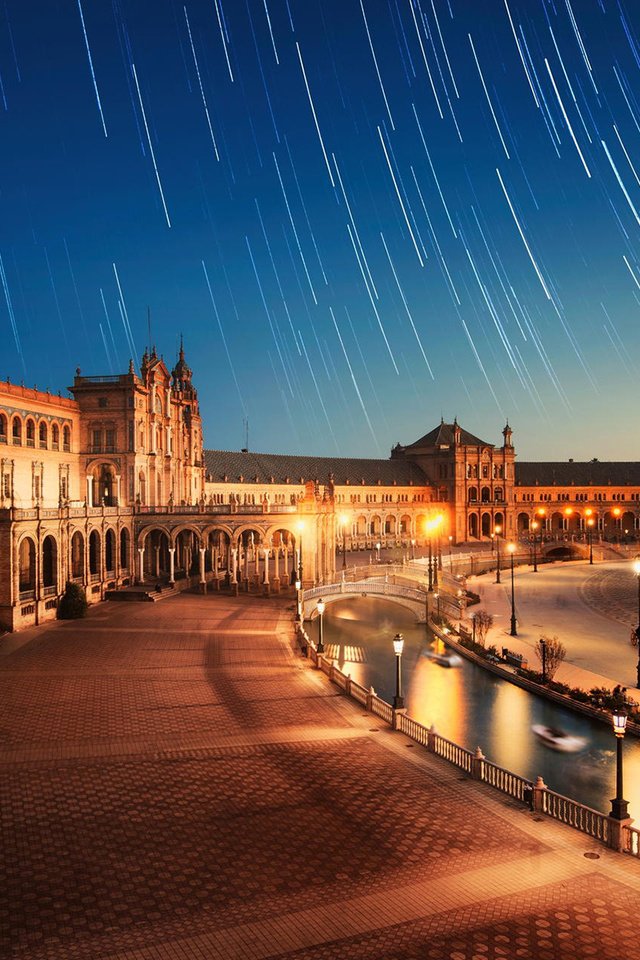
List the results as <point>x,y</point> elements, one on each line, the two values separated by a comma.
<point>157,560</point>
<point>118,500</point>
<point>267,588</point>
<point>234,577</point>
<point>172,566</point>
<point>203,582</point>
<point>214,567</point>
<point>89,491</point>
<point>276,579</point>
<point>246,567</point>
<point>141,565</point>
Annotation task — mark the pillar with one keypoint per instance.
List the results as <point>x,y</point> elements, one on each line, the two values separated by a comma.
<point>89,491</point>
<point>267,588</point>
<point>276,562</point>
<point>203,582</point>
<point>141,564</point>
<point>172,565</point>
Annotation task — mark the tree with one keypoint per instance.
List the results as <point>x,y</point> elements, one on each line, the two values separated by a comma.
<point>550,652</point>
<point>73,603</point>
<point>482,622</point>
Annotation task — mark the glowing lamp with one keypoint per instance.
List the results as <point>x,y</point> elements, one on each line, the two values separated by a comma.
<point>398,644</point>
<point>298,585</point>
<point>321,605</point>
<point>636,566</point>
<point>619,723</point>
<point>498,528</point>
<point>511,547</point>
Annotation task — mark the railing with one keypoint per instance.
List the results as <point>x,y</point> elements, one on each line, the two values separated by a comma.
<point>51,590</point>
<point>536,796</point>
<point>505,781</point>
<point>378,587</point>
<point>575,814</point>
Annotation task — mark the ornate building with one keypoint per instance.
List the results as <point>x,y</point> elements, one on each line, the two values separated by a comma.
<point>113,486</point>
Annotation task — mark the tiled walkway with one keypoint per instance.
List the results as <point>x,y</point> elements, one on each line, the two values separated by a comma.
<point>177,783</point>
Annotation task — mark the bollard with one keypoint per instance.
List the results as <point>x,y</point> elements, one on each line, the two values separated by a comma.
<point>370,695</point>
<point>538,796</point>
<point>431,739</point>
<point>395,717</point>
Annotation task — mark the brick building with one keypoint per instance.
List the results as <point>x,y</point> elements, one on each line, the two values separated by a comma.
<point>113,486</point>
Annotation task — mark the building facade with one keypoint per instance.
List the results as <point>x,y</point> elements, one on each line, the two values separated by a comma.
<point>112,486</point>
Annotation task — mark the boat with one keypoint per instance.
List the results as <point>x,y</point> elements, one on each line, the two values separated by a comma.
<point>444,659</point>
<point>557,739</point>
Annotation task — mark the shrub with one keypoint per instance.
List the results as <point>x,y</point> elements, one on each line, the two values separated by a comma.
<point>73,603</point>
<point>482,622</point>
<point>550,652</point>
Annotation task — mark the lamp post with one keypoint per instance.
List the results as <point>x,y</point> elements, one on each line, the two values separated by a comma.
<point>498,531</point>
<point>543,648</point>
<point>298,601</point>
<point>514,633</point>
<point>300,529</point>
<point>430,564</point>
<point>378,552</point>
<point>636,570</point>
<point>343,523</point>
<point>437,596</point>
<point>320,606</point>
<point>534,527</point>
<point>618,805</point>
<point>413,549</point>
<point>398,644</point>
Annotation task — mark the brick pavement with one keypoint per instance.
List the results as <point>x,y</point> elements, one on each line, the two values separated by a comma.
<point>175,782</point>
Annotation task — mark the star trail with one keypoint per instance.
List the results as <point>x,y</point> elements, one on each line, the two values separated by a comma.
<point>361,215</point>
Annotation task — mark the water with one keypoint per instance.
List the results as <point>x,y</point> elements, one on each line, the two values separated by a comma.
<point>472,707</point>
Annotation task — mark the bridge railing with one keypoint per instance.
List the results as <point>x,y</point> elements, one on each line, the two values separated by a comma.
<point>536,796</point>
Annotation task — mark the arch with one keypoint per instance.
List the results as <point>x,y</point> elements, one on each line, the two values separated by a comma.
<point>26,567</point>
<point>390,525</point>
<point>498,520</point>
<point>523,523</point>
<point>66,438</point>
<point>472,494</point>
<point>125,540</point>
<point>627,521</point>
<point>498,494</point>
<point>105,485</point>
<point>55,436</point>
<point>4,426</point>
<point>557,521</point>
<point>156,556</point>
<point>473,526</point>
<point>43,434</point>
<point>186,542</point>
<point>146,532</point>
<point>485,494</point>
<point>183,528</point>
<point>142,487</point>
<point>50,564</point>
<point>109,551</point>
<point>94,554</point>
<point>361,526</point>
<point>16,430</point>
<point>375,525</point>
<point>30,431</point>
<point>405,524</point>
<point>486,524</point>
<point>76,559</point>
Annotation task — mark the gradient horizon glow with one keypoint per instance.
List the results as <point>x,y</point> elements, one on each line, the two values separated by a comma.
<point>362,216</point>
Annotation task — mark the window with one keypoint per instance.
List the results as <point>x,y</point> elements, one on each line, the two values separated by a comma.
<point>110,441</point>
<point>6,485</point>
<point>3,428</point>
<point>55,436</point>
<point>42,434</point>
<point>31,433</point>
<point>16,430</point>
<point>37,487</point>
<point>66,438</point>
<point>131,437</point>
<point>64,488</point>
<point>96,441</point>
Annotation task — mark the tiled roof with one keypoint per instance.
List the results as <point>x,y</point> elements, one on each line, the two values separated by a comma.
<point>233,465</point>
<point>443,434</point>
<point>589,473</point>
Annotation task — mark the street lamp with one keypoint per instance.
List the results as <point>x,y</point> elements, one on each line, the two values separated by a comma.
<point>413,549</point>
<point>432,525</point>
<point>543,648</point>
<point>497,530</point>
<point>398,644</point>
<point>618,805</point>
<point>590,523</point>
<point>320,606</point>
<point>636,570</point>
<point>534,527</point>
<point>298,601</point>
<point>378,551</point>
<point>344,519</point>
<point>300,528</point>
<point>514,633</point>
<point>617,522</point>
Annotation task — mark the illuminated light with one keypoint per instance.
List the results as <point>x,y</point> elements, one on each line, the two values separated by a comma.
<point>398,644</point>
<point>534,524</point>
<point>321,605</point>
<point>616,511</point>
<point>511,547</point>
<point>636,566</point>
<point>568,511</point>
<point>498,528</point>
<point>588,511</point>
<point>344,519</point>
<point>541,511</point>
<point>298,584</point>
<point>619,723</point>
<point>590,523</point>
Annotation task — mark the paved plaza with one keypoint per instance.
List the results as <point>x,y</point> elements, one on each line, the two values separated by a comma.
<point>178,783</point>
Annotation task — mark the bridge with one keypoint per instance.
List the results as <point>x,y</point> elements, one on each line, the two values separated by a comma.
<point>412,596</point>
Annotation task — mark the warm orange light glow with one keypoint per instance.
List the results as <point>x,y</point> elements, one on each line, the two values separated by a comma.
<point>590,523</point>
<point>588,511</point>
<point>534,524</point>
<point>433,523</point>
<point>568,511</point>
<point>541,511</point>
<point>616,511</point>
<point>498,528</point>
<point>511,547</point>
<point>636,566</point>
<point>344,519</point>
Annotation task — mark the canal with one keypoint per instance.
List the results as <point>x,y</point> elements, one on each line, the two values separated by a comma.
<point>472,707</point>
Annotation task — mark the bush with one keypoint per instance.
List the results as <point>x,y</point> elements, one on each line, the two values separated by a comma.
<point>73,603</point>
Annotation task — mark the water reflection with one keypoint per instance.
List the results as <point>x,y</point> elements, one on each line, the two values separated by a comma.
<point>472,707</point>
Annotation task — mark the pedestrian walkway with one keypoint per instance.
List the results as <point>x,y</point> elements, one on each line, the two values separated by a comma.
<point>176,783</point>
<point>591,609</point>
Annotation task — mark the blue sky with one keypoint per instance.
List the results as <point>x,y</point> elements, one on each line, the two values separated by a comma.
<point>362,215</point>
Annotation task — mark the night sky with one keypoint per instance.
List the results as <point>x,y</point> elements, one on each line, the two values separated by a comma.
<point>363,215</point>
